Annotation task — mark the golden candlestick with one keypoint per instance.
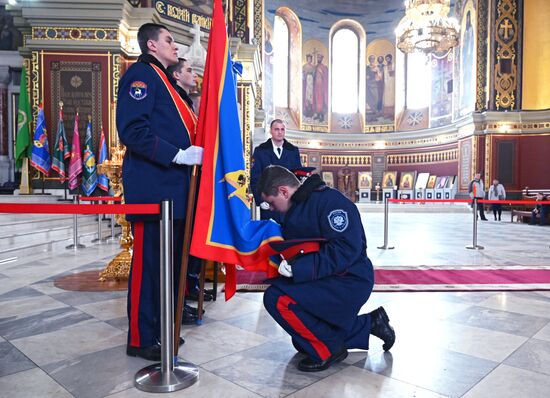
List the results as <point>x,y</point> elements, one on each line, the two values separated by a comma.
<point>119,267</point>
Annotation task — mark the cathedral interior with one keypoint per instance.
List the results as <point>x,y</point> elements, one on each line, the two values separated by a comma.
<point>378,112</point>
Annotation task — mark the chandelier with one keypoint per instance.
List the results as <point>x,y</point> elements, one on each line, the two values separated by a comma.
<point>427,27</point>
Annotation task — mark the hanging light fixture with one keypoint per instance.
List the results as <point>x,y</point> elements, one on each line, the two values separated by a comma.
<point>427,27</point>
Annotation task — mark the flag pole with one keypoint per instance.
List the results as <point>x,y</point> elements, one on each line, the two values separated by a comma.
<point>43,183</point>
<point>189,215</point>
<point>24,186</point>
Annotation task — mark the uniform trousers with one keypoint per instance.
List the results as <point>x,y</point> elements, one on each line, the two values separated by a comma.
<point>144,282</point>
<point>315,336</point>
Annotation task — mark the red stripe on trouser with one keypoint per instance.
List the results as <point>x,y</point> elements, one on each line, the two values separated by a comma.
<point>295,323</point>
<point>135,284</point>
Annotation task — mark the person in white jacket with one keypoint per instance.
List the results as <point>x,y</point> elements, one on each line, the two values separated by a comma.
<point>497,192</point>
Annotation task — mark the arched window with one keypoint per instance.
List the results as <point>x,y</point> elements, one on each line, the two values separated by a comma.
<point>345,71</point>
<point>418,81</point>
<point>280,62</point>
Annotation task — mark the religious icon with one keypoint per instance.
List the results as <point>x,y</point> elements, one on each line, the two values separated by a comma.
<point>407,179</point>
<point>467,59</point>
<point>365,179</point>
<point>380,82</point>
<point>308,74</point>
<point>431,182</point>
<point>389,179</point>
<point>442,183</point>
<point>347,183</point>
<point>328,178</point>
<point>422,180</point>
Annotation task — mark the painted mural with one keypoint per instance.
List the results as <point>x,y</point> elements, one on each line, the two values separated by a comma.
<point>442,88</point>
<point>380,83</point>
<point>268,72</point>
<point>315,76</point>
<point>309,69</point>
<point>467,98</point>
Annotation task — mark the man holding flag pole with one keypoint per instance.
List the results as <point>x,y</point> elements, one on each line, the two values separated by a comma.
<point>158,129</point>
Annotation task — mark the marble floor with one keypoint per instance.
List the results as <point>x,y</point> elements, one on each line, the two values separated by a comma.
<point>56,343</point>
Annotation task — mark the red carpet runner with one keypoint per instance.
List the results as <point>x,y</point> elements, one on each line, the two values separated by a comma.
<point>437,279</point>
<point>469,279</point>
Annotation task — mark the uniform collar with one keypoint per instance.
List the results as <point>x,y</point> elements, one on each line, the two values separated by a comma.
<point>151,59</point>
<point>311,184</point>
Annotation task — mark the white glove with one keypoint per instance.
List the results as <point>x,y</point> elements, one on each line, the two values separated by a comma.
<point>285,269</point>
<point>264,206</point>
<point>189,156</point>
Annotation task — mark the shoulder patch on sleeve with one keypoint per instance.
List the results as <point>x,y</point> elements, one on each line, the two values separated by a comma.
<point>338,220</point>
<point>138,90</point>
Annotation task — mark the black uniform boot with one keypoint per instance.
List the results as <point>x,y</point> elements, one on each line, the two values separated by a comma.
<point>381,328</point>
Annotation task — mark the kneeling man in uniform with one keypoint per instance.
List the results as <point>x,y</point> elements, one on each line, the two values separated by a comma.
<point>318,295</point>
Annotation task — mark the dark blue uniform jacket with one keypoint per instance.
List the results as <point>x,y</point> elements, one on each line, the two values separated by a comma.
<point>335,282</point>
<point>150,127</point>
<point>264,156</point>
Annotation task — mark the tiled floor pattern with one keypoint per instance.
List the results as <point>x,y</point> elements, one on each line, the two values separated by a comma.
<point>56,343</point>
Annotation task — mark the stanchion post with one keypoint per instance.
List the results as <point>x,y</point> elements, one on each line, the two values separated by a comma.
<point>98,240</point>
<point>386,216</point>
<point>75,245</point>
<point>474,245</point>
<point>171,374</point>
<point>112,238</point>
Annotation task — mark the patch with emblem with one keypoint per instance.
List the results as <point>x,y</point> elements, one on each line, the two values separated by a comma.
<point>138,90</point>
<point>338,220</point>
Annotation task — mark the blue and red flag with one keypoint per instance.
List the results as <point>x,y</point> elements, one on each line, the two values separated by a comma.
<point>103,181</point>
<point>61,149</point>
<point>75,164</point>
<point>40,157</point>
<point>89,174</point>
<point>223,230</point>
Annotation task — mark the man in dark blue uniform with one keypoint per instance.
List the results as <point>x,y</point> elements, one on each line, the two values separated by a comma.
<point>318,296</point>
<point>157,127</point>
<point>276,150</point>
<point>186,80</point>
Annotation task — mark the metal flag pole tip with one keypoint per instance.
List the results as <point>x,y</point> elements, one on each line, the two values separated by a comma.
<point>170,374</point>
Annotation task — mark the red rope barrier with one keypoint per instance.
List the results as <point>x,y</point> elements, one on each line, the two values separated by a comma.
<point>78,209</point>
<point>504,202</point>
<point>430,200</point>
<point>515,202</point>
<point>103,198</point>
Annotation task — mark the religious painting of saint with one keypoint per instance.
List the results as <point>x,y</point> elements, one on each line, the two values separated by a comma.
<point>407,180</point>
<point>315,76</point>
<point>328,178</point>
<point>467,59</point>
<point>380,82</point>
<point>320,89</point>
<point>268,70</point>
<point>431,182</point>
<point>442,182</point>
<point>347,183</point>
<point>442,88</point>
<point>365,179</point>
<point>308,73</point>
<point>422,180</point>
<point>389,180</point>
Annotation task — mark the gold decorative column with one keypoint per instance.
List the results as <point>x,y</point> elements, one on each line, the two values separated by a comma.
<point>506,55</point>
<point>119,267</point>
